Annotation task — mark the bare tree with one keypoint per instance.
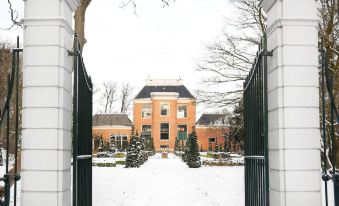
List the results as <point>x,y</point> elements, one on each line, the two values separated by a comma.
<point>229,58</point>
<point>6,69</point>
<point>108,97</point>
<point>79,17</point>
<point>13,17</point>
<point>132,3</point>
<point>329,37</point>
<point>125,97</point>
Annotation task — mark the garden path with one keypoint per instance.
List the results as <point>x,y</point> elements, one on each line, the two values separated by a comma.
<point>168,182</point>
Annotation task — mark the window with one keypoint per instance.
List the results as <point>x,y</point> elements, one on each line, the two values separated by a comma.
<point>211,139</point>
<point>182,111</point>
<point>146,111</point>
<point>164,131</point>
<point>146,128</point>
<point>164,109</point>
<point>120,141</point>
<point>182,132</point>
<point>146,131</point>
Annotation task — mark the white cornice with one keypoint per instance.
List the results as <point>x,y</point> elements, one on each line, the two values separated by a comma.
<point>145,100</point>
<point>162,95</point>
<point>185,100</point>
<point>164,82</point>
<point>51,21</point>
<point>291,22</point>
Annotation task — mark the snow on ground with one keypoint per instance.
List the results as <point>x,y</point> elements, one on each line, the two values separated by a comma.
<point>168,182</point>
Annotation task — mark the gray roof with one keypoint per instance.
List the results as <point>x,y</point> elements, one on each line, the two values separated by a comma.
<point>111,120</point>
<point>181,89</point>
<point>212,119</point>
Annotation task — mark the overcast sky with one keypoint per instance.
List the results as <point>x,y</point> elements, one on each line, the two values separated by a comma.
<point>158,42</point>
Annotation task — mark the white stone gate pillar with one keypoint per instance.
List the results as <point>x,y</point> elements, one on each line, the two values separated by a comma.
<point>47,103</point>
<point>293,103</point>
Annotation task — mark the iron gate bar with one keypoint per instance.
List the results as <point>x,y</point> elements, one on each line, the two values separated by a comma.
<point>12,78</point>
<point>83,157</point>
<point>325,177</point>
<point>82,130</point>
<point>256,130</point>
<point>16,124</point>
<point>334,118</point>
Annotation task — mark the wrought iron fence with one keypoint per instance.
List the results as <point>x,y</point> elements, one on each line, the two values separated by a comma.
<point>82,130</point>
<point>10,113</point>
<point>329,127</point>
<point>255,128</point>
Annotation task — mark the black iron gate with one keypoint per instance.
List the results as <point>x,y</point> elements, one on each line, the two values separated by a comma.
<point>255,128</point>
<point>329,126</point>
<point>9,114</point>
<point>82,130</point>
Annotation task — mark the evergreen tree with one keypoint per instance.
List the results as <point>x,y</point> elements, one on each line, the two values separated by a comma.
<point>220,148</point>
<point>101,145</point>
<point>216,148</point>
<point>193,155</point>
<point>210,147</point>
<point>142,150</point>
<point>150,145</point>
<point>133,151</point>
<point>177,146</point>
<point>186,150</point>
<point>101,149</point>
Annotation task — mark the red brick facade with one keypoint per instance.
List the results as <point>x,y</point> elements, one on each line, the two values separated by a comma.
<point>156,119</point>
<point>165,111</point>
<point>211,135</point>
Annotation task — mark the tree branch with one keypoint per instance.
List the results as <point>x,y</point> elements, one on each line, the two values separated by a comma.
<point>14,17</point>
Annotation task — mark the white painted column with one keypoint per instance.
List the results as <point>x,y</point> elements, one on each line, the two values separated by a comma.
<point>47,103</point>
<point>293,103</point>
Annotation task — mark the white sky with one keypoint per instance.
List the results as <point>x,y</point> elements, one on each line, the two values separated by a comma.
<point>158,42</point>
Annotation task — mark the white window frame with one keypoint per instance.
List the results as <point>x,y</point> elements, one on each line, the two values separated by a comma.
<point>184,113</point>
<point>115,135</point>
<point>145,125</point>
<point>168,109</point>
<point>142,107</point>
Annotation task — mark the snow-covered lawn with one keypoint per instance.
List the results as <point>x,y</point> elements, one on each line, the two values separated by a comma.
<point>168,182</point>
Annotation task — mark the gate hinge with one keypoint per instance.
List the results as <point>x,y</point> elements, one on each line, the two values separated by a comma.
<point>268,53</point>
<point>72,53</point>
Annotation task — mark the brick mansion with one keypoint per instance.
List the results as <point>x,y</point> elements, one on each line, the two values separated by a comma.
<point>166,111</point>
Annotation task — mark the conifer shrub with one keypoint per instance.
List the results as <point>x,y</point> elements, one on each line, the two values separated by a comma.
<point>133,152</point>
<point>192,154</point>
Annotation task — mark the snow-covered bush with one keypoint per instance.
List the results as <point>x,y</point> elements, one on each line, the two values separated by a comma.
<point>210,147</point>
<point>104,154</point>
<point>132,152</point>
<point>136,154</point>
<point>193,155</point>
